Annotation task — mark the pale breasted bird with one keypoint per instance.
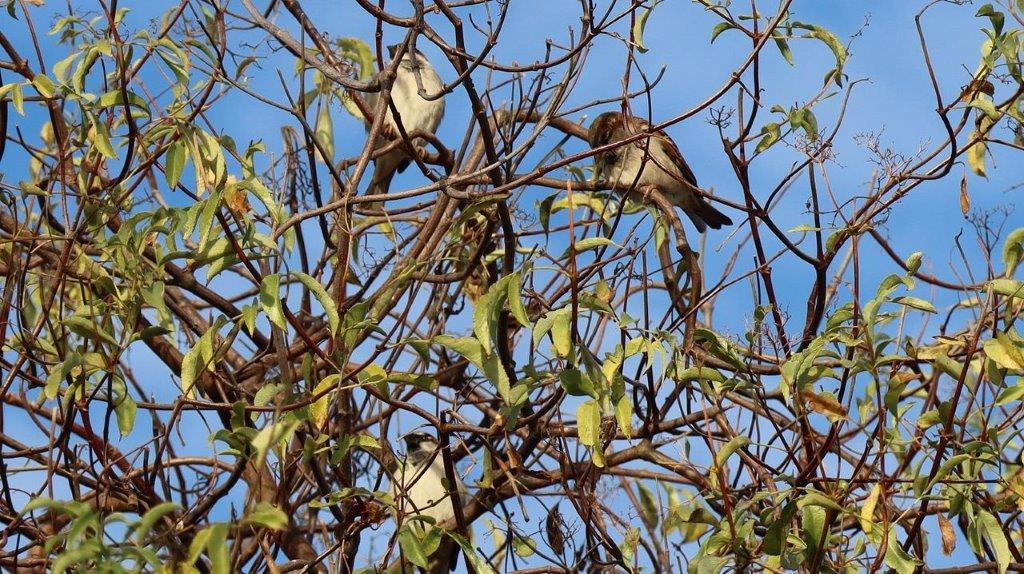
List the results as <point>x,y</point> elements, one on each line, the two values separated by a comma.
<point>420,481</point>
<point>417,114</point>
<point>652,161</point>
<point>420,487</point>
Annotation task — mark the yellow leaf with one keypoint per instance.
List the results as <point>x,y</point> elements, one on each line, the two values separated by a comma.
<point>237,197</point>
<point>825,404</point>
<point>976,156</point>
<point>867,512</point>
<point>318,410</point>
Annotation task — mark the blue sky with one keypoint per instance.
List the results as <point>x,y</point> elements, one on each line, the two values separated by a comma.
<point>895,101</point>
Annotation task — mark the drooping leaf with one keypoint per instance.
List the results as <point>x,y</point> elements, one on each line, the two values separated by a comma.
<point>1013,250</point>
<point>324,131</point>
<point>577,383</point>
<point>648,506</point>
<point>270,300</point>
<point>266,515</point>
<point>174,162</point>
<point>325,300</point>
<point>775,538</point>
<point>217,548</point>
<point>993,531</point>
<point>640,24</point>
<point>833,43</point>
<point>976,155</point>
<point>734,444</point>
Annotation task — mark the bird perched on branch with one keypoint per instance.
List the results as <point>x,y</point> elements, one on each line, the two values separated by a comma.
<point>420,487</point>
<point>416,113</point>
<point>420,480</point>
<point>652,161</point>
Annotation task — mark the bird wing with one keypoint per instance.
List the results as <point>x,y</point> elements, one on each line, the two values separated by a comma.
<point>670,149</point>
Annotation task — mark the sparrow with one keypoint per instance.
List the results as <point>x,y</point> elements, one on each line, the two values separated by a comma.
<point>416,113</point>
<point>652,161</point>
<point>420,481</point>
<point>419,489</point>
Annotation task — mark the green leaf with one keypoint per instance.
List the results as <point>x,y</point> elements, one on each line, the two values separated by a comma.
<point>324,132</point>
<point>174,162</point>
<point>325,300</point>
<point>485,313</point>
<point>993,531</point>
<point>775,538</point>
<point>1005,352</point>
<point>1013,250</point>
<point>198,544</point>
<point>915,303</point>
<point>557,323</point>
<point>150,518</point>
<point>198,359</point>
<point>897,559</point>
<point>648,506</point>
<point>996,17</point>
<point>18,98</point>
<point>815,498</point>
<point>515,300</point>
<point>270,300</point>
<point>946,468</point>
<point>267,515</point>
<point>590,243</point>
<point>1007,287</point>
<point>772,133</point>
<point>804,118</point>
<point>833,43</point>
<point>89,328</point>
<point>101,139</point>
<point>469,348</point>
<point>217,547</point>
<point>783,46</point>
<point>913,262</point>
<point>44,86</point>
<point>273,435</point>
<point>524,547</point>
<point>624,414</point>
<point>718,29</point>
<point>57,375</point>
<point>588,420</point>
<point>359,52</point>
<point>639,25</point>
<point>125,411</point>
<point>577,383</point>
<point>412,550</point>
<point>813,518</point>
<point>1010,394</point>
<point>479,564</point>
<point>734,444</point>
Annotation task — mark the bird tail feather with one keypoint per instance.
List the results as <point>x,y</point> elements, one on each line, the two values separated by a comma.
<point>383,172</point>
<point>704,215</point>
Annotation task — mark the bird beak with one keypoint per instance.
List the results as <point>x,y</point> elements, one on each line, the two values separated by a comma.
<point>391,50</point>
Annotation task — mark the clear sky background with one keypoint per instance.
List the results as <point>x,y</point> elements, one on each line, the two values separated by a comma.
<point>896,102</point>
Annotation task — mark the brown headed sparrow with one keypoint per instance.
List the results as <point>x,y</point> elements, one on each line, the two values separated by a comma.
<point>416,113</point>
<point>653,161</point>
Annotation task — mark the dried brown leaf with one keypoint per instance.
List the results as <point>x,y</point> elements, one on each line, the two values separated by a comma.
<point>948,535</point>
<point>965,200</point>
